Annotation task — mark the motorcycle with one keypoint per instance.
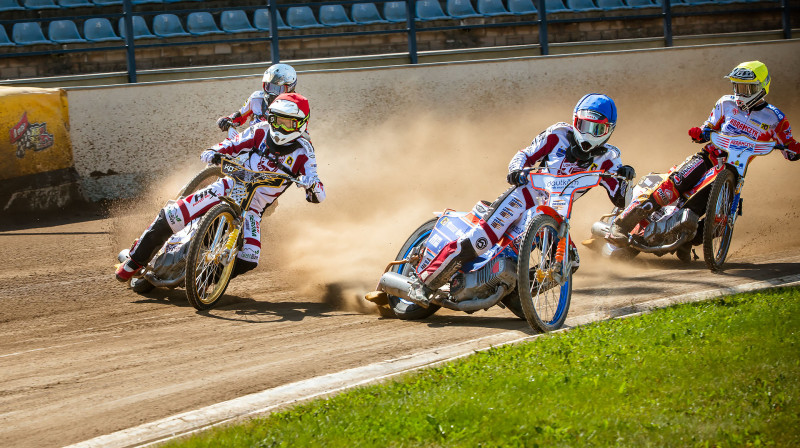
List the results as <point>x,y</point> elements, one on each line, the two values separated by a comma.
<point>201,256</point>
<point>529,270</point>
<point>704,215</point>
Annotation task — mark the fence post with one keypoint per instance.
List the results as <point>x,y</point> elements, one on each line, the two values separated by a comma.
<point>543,46</point>
<point>130,51</point>
<point>412,30</point>
<point>273,31</point>
<point>787,23</point>
<point>667,23</point>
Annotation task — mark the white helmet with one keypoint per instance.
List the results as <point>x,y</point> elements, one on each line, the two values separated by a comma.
<point>288,117</point>
<point>279,78</point>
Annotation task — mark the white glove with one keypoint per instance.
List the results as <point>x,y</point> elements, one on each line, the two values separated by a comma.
<point>306,181</point>
<point>209,156</point>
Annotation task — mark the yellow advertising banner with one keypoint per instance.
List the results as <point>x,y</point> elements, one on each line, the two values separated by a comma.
<point>34,131</point>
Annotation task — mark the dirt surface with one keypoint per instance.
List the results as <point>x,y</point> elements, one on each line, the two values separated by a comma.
<point>82,356</point>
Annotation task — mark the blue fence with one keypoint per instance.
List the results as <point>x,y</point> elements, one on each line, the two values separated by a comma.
<point>108,31</point>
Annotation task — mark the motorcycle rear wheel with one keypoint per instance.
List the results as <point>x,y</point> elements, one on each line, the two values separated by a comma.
<point>544,302</point>
<point>404,309</point>
<point>206,276</point>
<point>718,227</point>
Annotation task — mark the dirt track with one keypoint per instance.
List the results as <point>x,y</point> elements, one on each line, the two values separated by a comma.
<point>82,356</point>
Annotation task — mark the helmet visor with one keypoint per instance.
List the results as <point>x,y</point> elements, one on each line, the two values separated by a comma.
<point>592,123</point>
<point>287,124</point>
<point>275,89</point>
<point>746,89</point>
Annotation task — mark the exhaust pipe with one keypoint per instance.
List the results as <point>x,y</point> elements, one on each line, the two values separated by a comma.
<point>399,285</point>
<point>476,304</point>
<point>395,284</point>
<point>600,229</point>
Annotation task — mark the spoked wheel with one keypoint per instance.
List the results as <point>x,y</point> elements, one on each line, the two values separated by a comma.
<point>207,274</point>
<point>718,227</point>
<point>544,300</point>
<point>202,179</point>
<point>404,309</point>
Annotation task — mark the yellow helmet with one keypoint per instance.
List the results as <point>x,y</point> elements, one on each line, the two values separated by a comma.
<point>750,83</point>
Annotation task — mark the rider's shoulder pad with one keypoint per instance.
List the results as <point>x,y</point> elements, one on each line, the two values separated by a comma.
<point>777,111</point>
<point>257,94</point>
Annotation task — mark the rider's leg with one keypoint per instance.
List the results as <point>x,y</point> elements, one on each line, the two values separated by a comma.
<point>171,219</point>
<point>682,179</point>
<point>502,213</point>
<point>247,258</point>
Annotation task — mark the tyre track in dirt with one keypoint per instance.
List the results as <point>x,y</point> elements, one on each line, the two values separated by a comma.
<point>83,358</point>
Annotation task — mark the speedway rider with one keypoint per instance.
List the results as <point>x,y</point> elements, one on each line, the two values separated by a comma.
<point>277,146</point>
<point>743,113</point>
<point>561,149</point>
<point>277,79</point>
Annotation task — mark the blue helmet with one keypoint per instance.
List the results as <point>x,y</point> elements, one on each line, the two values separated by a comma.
<point>593,121</point>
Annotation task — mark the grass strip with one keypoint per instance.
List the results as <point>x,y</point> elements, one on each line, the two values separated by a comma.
<point>718,373</point>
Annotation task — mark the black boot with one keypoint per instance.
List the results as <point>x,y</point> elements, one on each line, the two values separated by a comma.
<point>151,240</point>
<point>625,222</point>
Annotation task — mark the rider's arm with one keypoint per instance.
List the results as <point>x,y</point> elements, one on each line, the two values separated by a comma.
<point>611,162</point>
<point>315,192</point>
<point>247,140</point>
<point>783,135</point>
<point>541,146</point>
<point>241,116</point>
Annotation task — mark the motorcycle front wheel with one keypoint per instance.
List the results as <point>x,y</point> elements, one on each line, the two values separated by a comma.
<point>544,301</point>
<point>718,227</point>
<point>404,309</point>
<point>202,179</point>
<point>206,275</point>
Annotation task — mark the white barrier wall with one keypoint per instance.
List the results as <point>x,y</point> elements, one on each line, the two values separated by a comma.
<point>495,107</point>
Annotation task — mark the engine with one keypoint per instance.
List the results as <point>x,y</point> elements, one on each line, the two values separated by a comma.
<point>483,282</point>
<point>669,227</point>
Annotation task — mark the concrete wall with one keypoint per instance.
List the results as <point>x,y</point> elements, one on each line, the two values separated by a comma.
<point>122,133</point>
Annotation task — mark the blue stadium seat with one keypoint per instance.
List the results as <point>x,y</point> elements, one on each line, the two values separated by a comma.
<point>461,9</point>
<point>235,21</point>
<point>28,33</point>
<point>640,3</point>
<point>107,2</point>
<point>4,40</point>
<point>140,30</point>
<point>261,20</point>
<point>608,5</point>
<point>581,5</point>
<point>39,4</point>
<point>201,24</point>
<point>74,3</point>
<point>144,2</point>
<point>492,8</point>
<point>334,15</point>
<point>555,6</point>
<point>366,14</point>
<point>10,5</point>
<point>430,10</point>
<point>301,17</point>
<point>64,32</point>
<point>519,7</point>
<point>99,30</point>
<point>395,11</point>
<point>168,25</point>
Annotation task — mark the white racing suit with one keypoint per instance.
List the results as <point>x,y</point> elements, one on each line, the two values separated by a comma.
<point>550,150</point>
<point>261,154</point>
<point>255,109</point>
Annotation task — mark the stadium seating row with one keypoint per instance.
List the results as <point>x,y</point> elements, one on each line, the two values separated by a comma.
<point>298,17</point>
<point>14,5</point>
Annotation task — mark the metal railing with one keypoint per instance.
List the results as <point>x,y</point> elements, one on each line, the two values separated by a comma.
<point>410,28</point>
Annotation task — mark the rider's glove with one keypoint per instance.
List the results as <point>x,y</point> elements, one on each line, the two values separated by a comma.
<point>699,135</point>
<point>224,123</point>
<point>517,178</point>
<point>792,151</point>
<point>626,171</point>
<point>306,181</point>
<point>211,157</point>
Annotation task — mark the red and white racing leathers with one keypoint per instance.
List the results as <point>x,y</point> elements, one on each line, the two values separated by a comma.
<point>764,123</point>
<point>550,150</point>
<point>260,153</point>
<point>255,109</point>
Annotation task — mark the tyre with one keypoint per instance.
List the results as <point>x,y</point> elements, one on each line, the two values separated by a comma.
<point>404,309</point>
<point>141,285</point>
<point>206,275</point>
<point>718,228</point>
<point>512,302</point>
<point>202,179</point>
<point>544,302</point>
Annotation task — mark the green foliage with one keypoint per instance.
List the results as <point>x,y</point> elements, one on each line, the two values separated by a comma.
<point>721,373</point>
